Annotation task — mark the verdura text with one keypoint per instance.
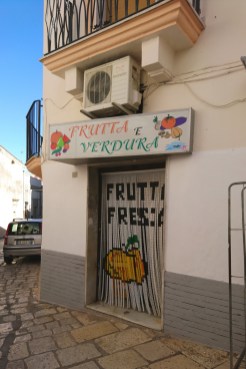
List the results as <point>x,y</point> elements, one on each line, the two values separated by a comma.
<point>109,147</point>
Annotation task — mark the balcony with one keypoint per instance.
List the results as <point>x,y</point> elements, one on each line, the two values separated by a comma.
<point>86,33</point>
<point>34,139</point>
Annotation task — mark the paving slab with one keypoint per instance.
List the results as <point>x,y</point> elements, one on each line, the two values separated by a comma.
<point>93,331</point>
<point>5,328</point>
<point>23,299</point>
<point>89,365</point>
<point>48,336</point>
<point>22,310</point>
<point>176,362</point>
<point>208,357</point>
<point>64,340</point>
<point>43,320</point>
<point>1,342</point>
<point>63,315</point>
<point>24,338</point>
<point>122,340</point>
<point>26,316</point>
<point>16,365</point>
<point>45,312</point>
<point>65,328</point>
<point>154,350</point>
<point>122,360</point>
<point>42,333</point>
<point>27,324</point>
<point>121,326</point>
<point>40,345</point>
<point>225,365</point>
<point>77,354</point>
<point>34,328</point>
<point>52,325</point>
<point>69,321</point>
<point>42,361</point>
<point>85,318</point>
<point>18,351</point>
<point>9,318</point>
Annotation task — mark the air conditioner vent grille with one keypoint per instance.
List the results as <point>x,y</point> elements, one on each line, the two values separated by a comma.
<point>99,87</point>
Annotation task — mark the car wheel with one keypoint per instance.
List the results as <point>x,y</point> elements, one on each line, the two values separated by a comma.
<point>8,259</point>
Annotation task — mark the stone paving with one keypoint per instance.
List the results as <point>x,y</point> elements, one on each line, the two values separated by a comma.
<point>35,335</point>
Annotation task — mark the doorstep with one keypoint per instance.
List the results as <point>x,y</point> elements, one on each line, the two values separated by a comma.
<point>143,319</point>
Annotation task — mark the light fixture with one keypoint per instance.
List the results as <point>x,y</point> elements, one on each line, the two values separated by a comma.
<point>243,60</point>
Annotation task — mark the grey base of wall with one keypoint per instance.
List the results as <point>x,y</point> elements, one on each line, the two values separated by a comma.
<point>62,280</point>
<point>198,309</point>
<point>194,308</point>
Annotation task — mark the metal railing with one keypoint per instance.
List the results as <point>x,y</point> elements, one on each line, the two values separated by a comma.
<point>237,302</point>
<point>67,21</point>
<point>34,138</point>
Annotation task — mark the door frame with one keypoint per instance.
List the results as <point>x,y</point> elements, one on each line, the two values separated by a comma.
<point>93,224</point>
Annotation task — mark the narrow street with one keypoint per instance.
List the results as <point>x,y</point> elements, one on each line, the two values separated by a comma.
<point>36,335</point>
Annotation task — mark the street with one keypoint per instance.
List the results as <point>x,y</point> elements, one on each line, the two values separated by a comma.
<point>36,335</point>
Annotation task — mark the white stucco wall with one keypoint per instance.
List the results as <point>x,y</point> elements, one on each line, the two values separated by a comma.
<point>65,208</point>
<point>64,185</point>
<point>197,213</point>
<point>197,185</point>
<point>210,78</point>
<point>15,188</point>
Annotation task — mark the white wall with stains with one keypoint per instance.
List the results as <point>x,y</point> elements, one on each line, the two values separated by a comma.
<point>15,189</point>
<point>210,78</point>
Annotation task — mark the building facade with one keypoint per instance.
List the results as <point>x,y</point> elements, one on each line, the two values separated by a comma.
<point>143,134</point>
<point>20,192</point>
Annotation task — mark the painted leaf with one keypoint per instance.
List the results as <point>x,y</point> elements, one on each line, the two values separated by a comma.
<point>60,143</point>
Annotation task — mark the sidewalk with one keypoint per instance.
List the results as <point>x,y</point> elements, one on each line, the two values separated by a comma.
<point>35,335</point>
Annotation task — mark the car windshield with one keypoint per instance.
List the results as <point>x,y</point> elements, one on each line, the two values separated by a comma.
<point>24,228</point>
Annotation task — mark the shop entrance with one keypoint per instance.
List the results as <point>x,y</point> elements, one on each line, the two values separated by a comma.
<point>130,256</point>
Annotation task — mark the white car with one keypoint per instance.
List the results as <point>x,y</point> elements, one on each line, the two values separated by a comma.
<point>23,237</point>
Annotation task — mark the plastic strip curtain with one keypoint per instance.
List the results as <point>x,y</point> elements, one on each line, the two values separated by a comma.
<point>131,241</point>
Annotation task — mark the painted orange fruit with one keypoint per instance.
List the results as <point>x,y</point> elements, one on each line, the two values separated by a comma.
<point>168,122</point>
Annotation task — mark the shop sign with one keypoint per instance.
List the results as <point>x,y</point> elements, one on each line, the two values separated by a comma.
<point>161,133</point>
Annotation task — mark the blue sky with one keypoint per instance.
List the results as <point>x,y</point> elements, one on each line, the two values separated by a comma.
<point>21,47</point>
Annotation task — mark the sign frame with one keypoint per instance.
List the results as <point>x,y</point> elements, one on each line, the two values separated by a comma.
<point>160,133</point>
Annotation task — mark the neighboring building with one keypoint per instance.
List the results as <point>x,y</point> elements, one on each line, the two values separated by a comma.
<point>36,198</point>
<point>17,194</point>
<point>135,206</point>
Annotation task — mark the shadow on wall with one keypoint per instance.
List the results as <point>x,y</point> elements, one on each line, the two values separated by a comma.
<point>2,232</point>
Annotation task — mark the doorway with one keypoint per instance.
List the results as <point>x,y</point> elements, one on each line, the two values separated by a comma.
<point>131,241</point>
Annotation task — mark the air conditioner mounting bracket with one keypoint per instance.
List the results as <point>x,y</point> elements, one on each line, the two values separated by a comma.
<point>120,107</point>
<point>88,114</point>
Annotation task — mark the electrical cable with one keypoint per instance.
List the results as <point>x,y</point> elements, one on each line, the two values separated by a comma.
<point>200,75</point>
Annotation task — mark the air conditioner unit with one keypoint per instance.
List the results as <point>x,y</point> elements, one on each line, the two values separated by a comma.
<point>111,86</point>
